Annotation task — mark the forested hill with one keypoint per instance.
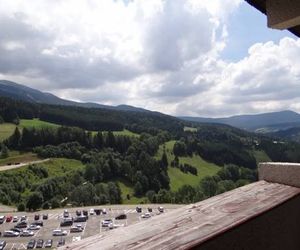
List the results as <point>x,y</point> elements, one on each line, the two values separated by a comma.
<point>21,92</point>
<point>96,119</point>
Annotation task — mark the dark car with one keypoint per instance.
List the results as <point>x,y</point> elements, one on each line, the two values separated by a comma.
<point>66,222</point>
<point>45,216</point>
<point>138,209</point>
<point>31,244</point>
<point>149,209</point>
<point>38,223</point>
<point>78,212</point>
<point>85,212</point>
<point>121,217</point>
<point>48,244</point>
<point>36,217</point>
<point>81,218</point>
<point>2,244</point>
<point>61,242</point>
<point>98,211</point>
<point>39,243</point>
<point>22,224</point>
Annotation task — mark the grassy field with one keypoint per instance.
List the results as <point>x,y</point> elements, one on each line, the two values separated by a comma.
<point>190,129</point>
<point>126,188</point>
<point>124,132</point>
<point>15,156</point>
<point>261,156</point>
<point>60,166</point>
<point>178,178</point>
<point>6,130</point>
<point>36,123</point>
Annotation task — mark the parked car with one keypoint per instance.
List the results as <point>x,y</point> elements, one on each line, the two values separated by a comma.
<point>61,242</point>
<point>104,211</point>
<point>21,224</point>
<point>31,244</point>
<point>98,211</point>
<point>138,209</point>
<point>23,218</point>
<point>121,217</point>
<point>66,222</point>
<point>38,223</point>
<point>15,219</point>
<point>48,244</point>
<point>85,212</point>
<point>2,244</point>
<point>92,211</point>
<point>16,230</point>
<point>59,232</point>
<point>149,209</point>
<point>45,216</point>
<point>26,233</point>
<point>39,243</point>
<point>146,215</point>
<point>2,219</point>
<point>9,218</point>
<point>66,214</point>
<point>81,218</point>
<point>78,212</point>
<point>10,233</point>
<point>76,229</point>
<point>34,227</point>
<point>161,209</point>
<point>106,222</point>
<point>36,217</point>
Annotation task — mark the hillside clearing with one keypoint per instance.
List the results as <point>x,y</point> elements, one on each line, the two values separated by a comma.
<point>6,130</point>
<point>36,123</point>
<point>18,157</point>
<point>177,177</point>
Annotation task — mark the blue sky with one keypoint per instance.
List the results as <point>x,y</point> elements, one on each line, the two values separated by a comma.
<point>246,27</point>
<point>170,56</point>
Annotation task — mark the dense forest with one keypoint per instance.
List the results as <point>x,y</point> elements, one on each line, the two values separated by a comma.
<point>108,157</point>
<point>94,119</point>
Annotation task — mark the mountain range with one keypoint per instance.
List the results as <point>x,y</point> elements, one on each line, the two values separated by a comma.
<point>24,93</point>
<point>268,123</point>
<point>262,123</point>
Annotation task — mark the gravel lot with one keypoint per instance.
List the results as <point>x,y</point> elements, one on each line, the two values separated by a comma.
<point>91,227</point>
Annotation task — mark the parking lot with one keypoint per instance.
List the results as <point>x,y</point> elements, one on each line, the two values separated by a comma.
<point>91,227</point>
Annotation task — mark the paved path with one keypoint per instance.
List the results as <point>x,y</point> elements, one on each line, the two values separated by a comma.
<point>22,164</point>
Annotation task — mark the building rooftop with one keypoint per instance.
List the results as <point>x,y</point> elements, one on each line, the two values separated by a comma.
<point>195,224</point>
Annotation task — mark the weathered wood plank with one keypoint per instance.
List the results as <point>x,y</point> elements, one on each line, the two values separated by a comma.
<point>191,225</point>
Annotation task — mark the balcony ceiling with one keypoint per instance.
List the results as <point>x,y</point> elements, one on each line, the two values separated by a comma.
<point>261,5</point>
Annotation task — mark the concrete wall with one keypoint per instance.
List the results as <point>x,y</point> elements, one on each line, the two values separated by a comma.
<point>283,173</point>
<point>277,229</point>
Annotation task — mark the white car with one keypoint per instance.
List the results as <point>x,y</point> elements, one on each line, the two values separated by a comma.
<point>161,209</point>
<point>146,215</point>
<point>26,233</point>
<point>92,211</point>
<point>106,223</point>
<point>76,229</point>
<point>104,211</point>
<point>10,233</point>
<point>59,232</point>
<point>34,227</point>
<point>15,219</point>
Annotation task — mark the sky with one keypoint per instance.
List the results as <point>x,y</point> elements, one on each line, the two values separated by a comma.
<point>211,58</point>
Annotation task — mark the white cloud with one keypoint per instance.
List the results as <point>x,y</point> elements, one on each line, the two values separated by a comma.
<point>160,54</point>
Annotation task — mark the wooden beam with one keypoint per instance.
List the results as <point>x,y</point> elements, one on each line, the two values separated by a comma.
<point>283,14</point>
